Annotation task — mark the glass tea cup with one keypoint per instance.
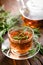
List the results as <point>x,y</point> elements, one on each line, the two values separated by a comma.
<point>21,39</point>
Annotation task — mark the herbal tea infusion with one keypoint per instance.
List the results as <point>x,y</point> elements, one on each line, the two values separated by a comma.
<point>21,39</point>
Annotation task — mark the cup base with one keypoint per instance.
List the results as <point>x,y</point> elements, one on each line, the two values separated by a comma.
<point>19,54</point>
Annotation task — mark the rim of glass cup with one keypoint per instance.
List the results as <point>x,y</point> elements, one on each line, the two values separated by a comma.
<point>17,27</point>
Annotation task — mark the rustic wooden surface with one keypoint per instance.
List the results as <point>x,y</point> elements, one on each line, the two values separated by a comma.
<point>12,6</point>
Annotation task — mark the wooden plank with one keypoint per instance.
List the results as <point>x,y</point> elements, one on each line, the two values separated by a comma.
<point>40,57</point>
<point>1,56</point>
<point>34,61</point>
<point>22,62</point>
<point>7,61</point>
<point>0,2</point>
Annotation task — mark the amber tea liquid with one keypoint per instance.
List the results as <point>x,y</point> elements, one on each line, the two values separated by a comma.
<point>32,23</point>
<point>21,47</point>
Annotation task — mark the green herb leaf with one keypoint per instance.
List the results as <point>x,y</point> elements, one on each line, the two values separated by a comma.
<point>41,49</point>
<point>2,33</point>
<point>36,32</point>
<point>31,52</point>
<point>1,39</point>
<point>20,37</point>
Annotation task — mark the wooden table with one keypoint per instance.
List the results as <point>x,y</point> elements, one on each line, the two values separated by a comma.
<point>12,6</point>
<point>33,61</point>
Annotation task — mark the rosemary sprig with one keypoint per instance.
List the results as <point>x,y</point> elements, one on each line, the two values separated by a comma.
<point>36,36</point>
<point>41,49</point>
<point>31,52</point>
<point>20,37</point>
<point>36,32</point>
<point>34,50</point>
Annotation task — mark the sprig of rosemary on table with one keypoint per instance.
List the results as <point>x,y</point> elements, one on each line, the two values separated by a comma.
<point>36,32</point>
<point>34,49</point>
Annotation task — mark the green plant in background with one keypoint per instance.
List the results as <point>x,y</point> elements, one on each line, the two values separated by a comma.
<point>3,25</point>
<point>2,33</point>
<point>6,22</point>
